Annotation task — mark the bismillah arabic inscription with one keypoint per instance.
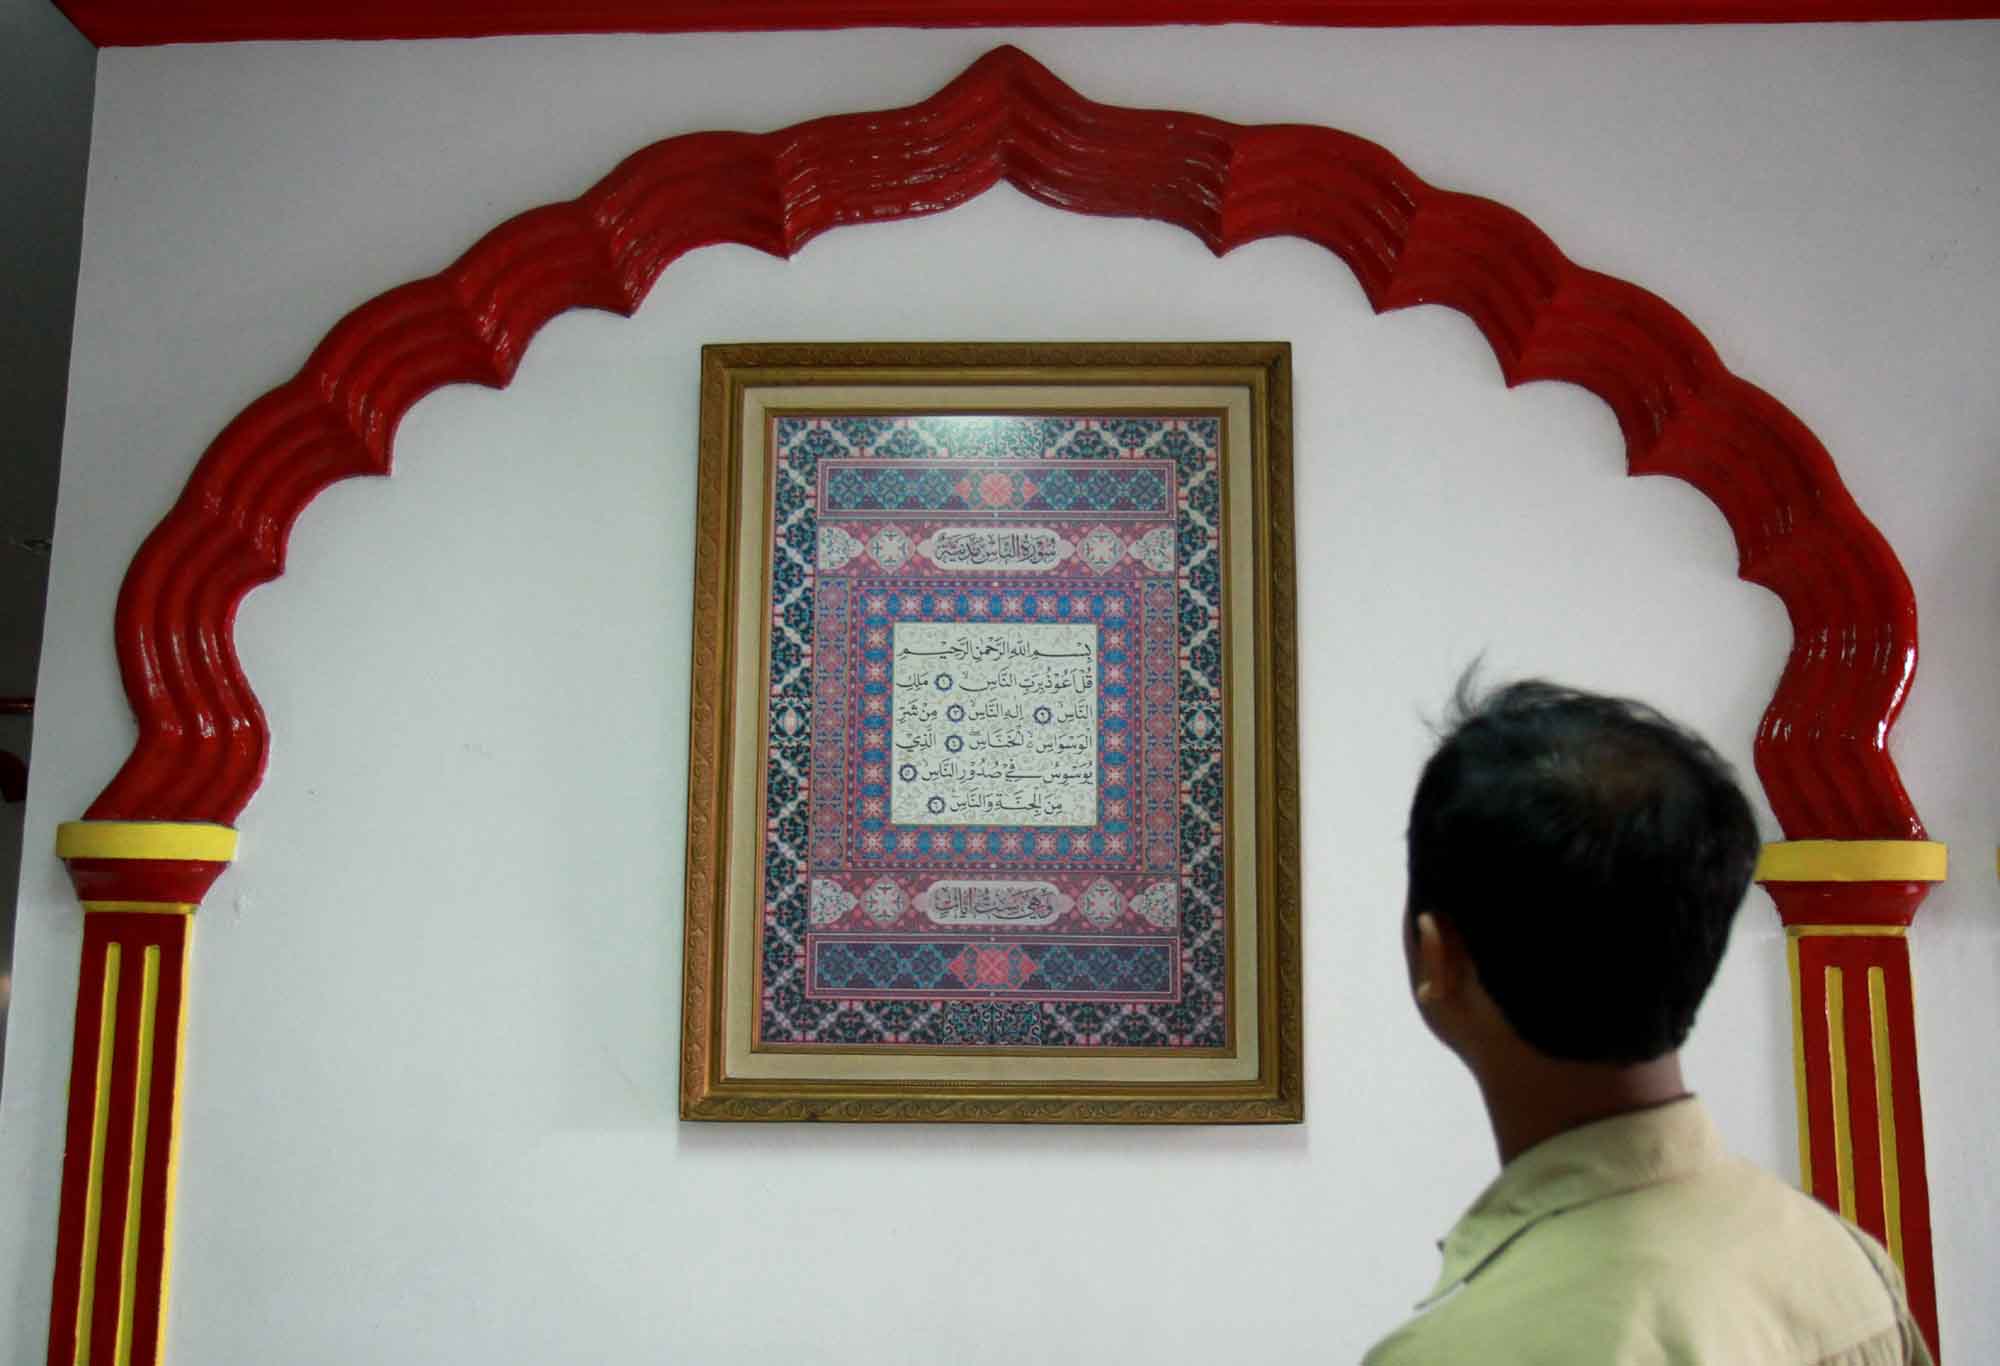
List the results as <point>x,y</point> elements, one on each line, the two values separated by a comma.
<point>994,725</point>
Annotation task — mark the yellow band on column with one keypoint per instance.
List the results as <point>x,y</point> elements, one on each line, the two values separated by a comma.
<point>143,907</point>
<point>1852,861</point>
<point>1847,931</point>
<point>187,841</point>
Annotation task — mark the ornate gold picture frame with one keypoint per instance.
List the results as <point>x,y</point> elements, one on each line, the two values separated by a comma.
<point>993,774</point>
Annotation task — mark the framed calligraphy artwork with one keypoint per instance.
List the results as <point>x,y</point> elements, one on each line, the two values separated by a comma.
<point>993,761</point>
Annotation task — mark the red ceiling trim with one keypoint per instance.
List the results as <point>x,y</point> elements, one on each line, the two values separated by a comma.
<point>134,23</point>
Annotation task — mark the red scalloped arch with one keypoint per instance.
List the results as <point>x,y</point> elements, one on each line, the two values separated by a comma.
<point>1822,748</point>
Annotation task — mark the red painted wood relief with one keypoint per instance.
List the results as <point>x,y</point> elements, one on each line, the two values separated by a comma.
<point>1821,751</point>
<point>1861,1120</point>
<point>1864,1131</point>
<point>109,1294</point>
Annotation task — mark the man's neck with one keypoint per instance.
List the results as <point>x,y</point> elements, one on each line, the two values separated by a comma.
<point>1532,1098</point>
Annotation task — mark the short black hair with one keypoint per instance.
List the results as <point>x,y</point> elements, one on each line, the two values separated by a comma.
<point>1591,854</point>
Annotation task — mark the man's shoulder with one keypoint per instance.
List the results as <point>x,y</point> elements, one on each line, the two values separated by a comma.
<point>1724,1264</point>
<point>1731,1233</point>
<point>1736,1184</point>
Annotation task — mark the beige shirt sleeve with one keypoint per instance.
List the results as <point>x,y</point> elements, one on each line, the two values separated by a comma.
<point>1916,1351</point>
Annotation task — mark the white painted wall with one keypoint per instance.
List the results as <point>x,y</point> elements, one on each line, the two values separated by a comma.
<point>431,1090</point>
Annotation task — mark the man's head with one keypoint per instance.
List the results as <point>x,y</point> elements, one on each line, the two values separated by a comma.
<point>1584,856</point>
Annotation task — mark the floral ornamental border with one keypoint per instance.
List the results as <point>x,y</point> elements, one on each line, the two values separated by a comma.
<point>157,837</point>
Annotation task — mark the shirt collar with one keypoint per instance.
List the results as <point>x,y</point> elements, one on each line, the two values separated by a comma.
<point>1625,1152</point>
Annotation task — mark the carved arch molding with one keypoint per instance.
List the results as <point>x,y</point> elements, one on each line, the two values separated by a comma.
<point>1847,882</point>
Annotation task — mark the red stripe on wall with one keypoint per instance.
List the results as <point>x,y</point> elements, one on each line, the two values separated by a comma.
<point>155,1209</point>
<point>1854,957</point>
<point>1824,1180</point>
<point>83,1083</point>
<point>117,1164</point>
<point>1919,1270</point>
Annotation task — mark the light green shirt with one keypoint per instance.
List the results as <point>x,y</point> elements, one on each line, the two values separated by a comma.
<point>1638,1239</point>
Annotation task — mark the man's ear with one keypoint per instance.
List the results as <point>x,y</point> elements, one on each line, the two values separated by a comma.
<point>1437,963</point>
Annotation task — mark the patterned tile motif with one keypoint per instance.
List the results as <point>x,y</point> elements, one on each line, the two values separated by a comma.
<point>1137,956</point>
<point>871,488</point>
<point>837,547</point>
<point>1072,969</point>
<point>1101,549</point>
<point>890,548</point>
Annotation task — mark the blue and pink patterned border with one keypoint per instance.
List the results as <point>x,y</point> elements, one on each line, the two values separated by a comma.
<point>843,959</point>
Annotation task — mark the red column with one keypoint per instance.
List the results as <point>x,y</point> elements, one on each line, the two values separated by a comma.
<point>1861,1124</point>
<point>140,883</point>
